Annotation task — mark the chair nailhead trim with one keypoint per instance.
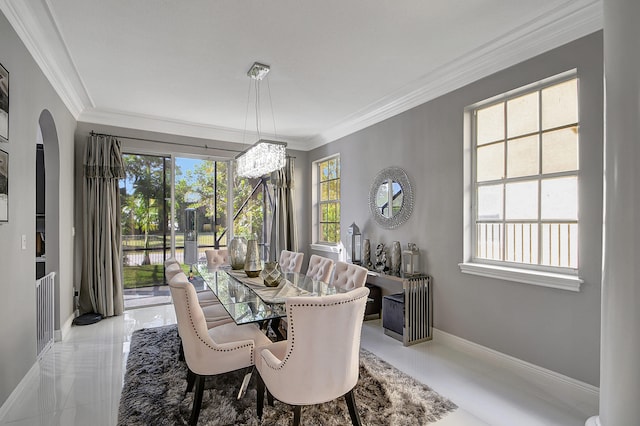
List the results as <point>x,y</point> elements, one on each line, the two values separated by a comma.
<point>291,331</point>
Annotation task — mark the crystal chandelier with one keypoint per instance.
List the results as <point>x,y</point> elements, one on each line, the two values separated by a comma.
<point>262,158</point>
<point>265,156</point>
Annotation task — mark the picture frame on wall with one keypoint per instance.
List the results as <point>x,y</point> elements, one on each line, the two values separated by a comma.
<point>4,186</point>
<point>4,104</point>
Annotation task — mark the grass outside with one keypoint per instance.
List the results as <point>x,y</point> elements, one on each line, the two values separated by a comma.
<point>146,275</point>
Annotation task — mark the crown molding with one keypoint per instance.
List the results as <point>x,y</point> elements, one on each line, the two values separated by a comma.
<point>178,127</point>
<point>548,31</point>
<point>36,27</point>
<point>34,24</point>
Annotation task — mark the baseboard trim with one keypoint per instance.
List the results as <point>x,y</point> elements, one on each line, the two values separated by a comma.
<point>582,396</point>
<point>66,327</point>
<point>17,392</point>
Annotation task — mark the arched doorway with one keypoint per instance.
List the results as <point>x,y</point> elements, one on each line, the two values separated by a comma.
<point>48,212</point>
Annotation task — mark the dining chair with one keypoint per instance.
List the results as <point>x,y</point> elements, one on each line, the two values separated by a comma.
<point>170,260</point>
<point>213,351</point>
<point>319,362</point>
<point>290,261</point>
<point>217,257</point>
<point>320,268</point>
<point>171,270</point>
<point>205,297</point>
<point>215,314</point>
<point>349,276</point>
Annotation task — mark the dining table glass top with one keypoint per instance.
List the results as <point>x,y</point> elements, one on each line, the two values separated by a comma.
<point>248,300</point>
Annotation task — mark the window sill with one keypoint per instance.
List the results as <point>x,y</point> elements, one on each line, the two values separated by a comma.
<point>543,279</point>
<point>329,248</point>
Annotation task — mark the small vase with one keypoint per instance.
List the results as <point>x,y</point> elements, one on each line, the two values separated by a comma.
<point>366,253</point>
<point>271,274</point>
<point>252,264</point>
<point>237,252</point>
<point>396,252</point>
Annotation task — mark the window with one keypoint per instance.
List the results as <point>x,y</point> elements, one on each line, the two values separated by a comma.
<point>524,175</point>
<point>328,196</point>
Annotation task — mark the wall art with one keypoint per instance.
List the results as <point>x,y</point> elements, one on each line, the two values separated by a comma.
<point>4,186</point>
<point>4,104</point>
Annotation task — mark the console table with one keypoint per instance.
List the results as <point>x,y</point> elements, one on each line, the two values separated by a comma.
<point>418,305</point>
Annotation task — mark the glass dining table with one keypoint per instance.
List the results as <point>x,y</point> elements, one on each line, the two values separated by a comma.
<point>248,300</point>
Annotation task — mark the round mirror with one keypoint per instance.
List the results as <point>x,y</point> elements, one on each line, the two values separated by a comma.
<point>391,197</point>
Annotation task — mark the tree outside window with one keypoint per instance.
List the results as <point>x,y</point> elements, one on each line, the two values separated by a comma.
<point>329,200</point>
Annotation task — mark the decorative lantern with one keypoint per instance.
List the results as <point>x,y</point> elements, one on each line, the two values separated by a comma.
<point>410,260</point>
<point>356,244</point>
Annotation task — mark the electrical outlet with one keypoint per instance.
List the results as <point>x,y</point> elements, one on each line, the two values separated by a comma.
<point>24,242</point>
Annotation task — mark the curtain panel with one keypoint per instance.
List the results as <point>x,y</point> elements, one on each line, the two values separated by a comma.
<point>283,228</point>
<point>101,289</point>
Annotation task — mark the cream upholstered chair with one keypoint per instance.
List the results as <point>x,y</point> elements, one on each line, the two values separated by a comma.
<point>320,360</point>
<point>205,297</point>
<point>290,261</point>
<point>208,352</point>
<point>349,276</point>
<point>215,314</point>
<point>217,257</point>
<point>320,268</point>
<point>170,260</point>
<point>171,270</point>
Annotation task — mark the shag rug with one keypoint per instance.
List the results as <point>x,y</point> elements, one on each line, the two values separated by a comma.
<point>155,383</point>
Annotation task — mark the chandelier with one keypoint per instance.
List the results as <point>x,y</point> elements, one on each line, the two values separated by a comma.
<point>265,156</point>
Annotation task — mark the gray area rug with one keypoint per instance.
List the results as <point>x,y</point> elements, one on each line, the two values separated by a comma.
<point>155,383</point>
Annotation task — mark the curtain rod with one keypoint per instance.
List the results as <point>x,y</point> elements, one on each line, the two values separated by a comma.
<point>92,133</point>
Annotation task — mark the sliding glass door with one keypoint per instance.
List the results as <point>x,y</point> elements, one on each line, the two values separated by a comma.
<point>144,198</point>
<point>201,186</point>
<point>204,194</point>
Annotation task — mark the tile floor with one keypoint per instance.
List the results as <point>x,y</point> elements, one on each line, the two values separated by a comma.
<point>78,382</point>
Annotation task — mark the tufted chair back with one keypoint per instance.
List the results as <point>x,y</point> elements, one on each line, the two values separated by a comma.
<point>203,355</point>
<point>349,276</point>
<point>171,270</point>
<point>320,268</point>
<point>320,360</point>
<point>290,261</point>
<point>217,257</point>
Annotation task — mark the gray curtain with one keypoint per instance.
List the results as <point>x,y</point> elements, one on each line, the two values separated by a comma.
<point>101,285</point>
<point>283,228</point>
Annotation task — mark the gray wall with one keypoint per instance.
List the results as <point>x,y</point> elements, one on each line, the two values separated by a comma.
<point>555,329</point>
<point>30,94</point>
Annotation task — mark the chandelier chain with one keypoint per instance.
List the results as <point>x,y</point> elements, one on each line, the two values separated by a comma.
<point>273,116</point>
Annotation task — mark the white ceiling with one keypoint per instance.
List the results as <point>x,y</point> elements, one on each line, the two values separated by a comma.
<point>336,65</point>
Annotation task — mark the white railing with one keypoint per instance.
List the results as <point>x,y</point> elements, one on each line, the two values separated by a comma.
<point>45,299</point>
<point>556,245</point>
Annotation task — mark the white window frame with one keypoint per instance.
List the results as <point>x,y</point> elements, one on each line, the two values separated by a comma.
<point>315,195</point>
<point>541,275</point>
